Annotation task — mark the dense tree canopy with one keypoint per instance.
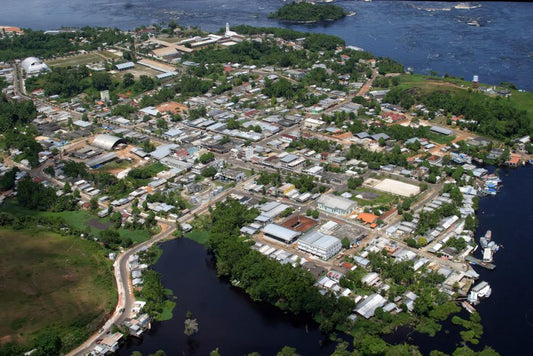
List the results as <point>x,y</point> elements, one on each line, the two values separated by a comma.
<point>307,12</point>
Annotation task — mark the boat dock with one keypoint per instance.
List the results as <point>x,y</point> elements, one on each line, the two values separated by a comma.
<point>478,262</point>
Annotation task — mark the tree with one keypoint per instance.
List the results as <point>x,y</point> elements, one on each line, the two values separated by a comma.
<point>345,242</point>
<point>206,157</point>
<point>287,351</point>
<point>286,212</point>
<point>48,342</point>
<point>101,80</point>
<point>209,172</point>
<point>93,203</point>
<point>50,171</point>
<point>7,181</point>
<point>128,80</point>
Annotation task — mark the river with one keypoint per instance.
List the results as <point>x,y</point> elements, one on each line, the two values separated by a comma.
<point>227,318</point>
<point>423,35</point>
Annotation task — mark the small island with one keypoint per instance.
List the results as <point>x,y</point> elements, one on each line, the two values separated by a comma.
<point>305,12</point>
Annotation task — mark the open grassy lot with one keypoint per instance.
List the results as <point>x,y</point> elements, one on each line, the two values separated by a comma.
<point>50,281</point>
<point>81,59</point>
<point>199,236</point>
<point>429,84</point>
<point>80,219</point>
<point>381,198</point>
<point>522,100</point>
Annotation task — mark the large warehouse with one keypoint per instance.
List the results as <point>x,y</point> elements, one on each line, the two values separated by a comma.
<point>33,65</point>
<point>280,233</point>
<point>107,142</point>
<point>319,244</point>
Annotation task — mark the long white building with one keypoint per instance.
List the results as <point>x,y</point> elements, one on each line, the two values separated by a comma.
<point>319,244</point>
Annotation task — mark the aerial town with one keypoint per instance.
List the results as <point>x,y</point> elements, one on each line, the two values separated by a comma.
<point>158,127</point>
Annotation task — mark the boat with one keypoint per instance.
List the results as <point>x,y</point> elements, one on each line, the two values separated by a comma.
<point>469,308</point>
<point>351,13</point>
<point>480,290</point>
<point>466,6</point>
<point>485,239</point>
<point>488,235</point>
<point>473,23</point>
<point>487,254</point>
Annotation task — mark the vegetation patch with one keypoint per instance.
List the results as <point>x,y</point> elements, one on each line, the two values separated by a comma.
<point>166,314</point>
<point>76,60</point>
<point>79,219</point>
<point>199,236</point>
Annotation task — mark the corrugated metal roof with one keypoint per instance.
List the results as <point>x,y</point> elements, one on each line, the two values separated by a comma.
<point>280,232</point>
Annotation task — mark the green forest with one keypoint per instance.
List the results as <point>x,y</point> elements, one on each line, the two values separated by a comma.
<point>496,117</point>
<point>45,45</point>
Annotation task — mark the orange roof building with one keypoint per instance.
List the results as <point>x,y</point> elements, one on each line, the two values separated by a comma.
<point>368,218</point>
<point>11,29</point>
<point>514,161</point>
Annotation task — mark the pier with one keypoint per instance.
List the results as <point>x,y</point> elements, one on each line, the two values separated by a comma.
<point>478,262</point>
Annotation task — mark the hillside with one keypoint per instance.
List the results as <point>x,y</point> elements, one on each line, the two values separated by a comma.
<point>62,286</point>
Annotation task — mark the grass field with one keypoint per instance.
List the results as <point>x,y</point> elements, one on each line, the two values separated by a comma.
<point>81,59</point>
<point>382,199</point>
<point>522,101</point>
<point>80,219</point>
<point>199,236</point>
<point>428,84</point>
<point>53,281</point>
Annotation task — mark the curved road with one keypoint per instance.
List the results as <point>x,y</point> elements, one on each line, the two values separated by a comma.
<point>125,292</point>
<point>122,273</point>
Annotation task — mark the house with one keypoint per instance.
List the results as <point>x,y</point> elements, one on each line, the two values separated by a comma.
<point>514,161</point>
<point>441,130</point>
<point>368,307</point>
<point>231,174</point>
<point>336,205</point>
<point>368,218</point>
<point>286,188</point>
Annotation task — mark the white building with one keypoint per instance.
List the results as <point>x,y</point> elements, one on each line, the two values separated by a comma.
<point>33,65</point>
<point>319,244</point>
<point>336,205</point>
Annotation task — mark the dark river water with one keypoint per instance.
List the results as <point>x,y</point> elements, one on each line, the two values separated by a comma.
<point>227,318</point>
<point>422,35</point>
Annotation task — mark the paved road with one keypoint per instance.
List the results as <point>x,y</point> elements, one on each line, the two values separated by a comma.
<point>125,291</point>
<point>122,273</point>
